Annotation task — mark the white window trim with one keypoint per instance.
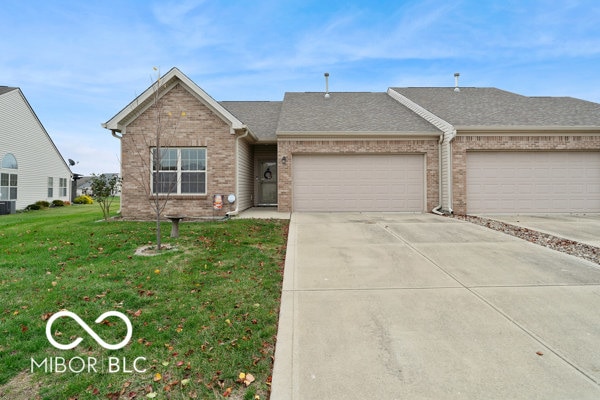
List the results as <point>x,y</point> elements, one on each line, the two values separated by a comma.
<point>179,172</point>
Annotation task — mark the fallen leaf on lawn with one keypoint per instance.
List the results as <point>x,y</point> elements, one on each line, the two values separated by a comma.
<point>151,395</point>
<point>24,328</point>
<point>157,271</point>
<point>46,316</point>
<point>165,363</point>
<point>184,382</point>
<point>242,376</point>
<point>54,283</point>
<point>248,380</point>
<point>157,377</point>
<point>227,392</point>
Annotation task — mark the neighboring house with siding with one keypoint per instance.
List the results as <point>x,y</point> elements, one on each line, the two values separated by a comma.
<point>31,167</point>
<point>461,150</point>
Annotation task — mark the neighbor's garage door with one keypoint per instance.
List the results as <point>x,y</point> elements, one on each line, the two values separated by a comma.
<point>529,182</point>
<point>358,182</point>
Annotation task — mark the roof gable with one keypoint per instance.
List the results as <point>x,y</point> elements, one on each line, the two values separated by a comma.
<point>13,96</point>
<point>164,84</point>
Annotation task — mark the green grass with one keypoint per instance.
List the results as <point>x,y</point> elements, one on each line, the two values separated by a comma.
<point>201,314</point>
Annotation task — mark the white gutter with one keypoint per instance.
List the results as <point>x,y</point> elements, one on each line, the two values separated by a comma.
<point>237,174</point>
<point>445,152</point>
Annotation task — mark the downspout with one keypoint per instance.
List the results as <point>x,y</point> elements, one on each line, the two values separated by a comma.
<point>237,175</point>
<point>448,134</point>
<point>437,209</point>
<point>448,137</point>
<point>119,136</point>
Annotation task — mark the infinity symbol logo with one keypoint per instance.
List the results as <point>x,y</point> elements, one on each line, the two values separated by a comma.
<point>88,330</point>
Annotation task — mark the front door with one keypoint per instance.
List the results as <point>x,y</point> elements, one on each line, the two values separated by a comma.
<point>267,183</point>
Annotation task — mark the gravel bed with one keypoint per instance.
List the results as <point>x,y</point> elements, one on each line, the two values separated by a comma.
<point>577,249</point>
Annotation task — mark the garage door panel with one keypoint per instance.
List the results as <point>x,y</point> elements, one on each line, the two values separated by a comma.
<point>358,182</point>
<point>511,182</point>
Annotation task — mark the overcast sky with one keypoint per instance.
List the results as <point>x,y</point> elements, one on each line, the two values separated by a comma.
<point>80,62</point>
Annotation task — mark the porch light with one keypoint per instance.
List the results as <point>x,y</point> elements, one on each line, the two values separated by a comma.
<point>284,160</point>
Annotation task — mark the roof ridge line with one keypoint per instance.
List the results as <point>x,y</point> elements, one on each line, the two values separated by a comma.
<point>422,112</point>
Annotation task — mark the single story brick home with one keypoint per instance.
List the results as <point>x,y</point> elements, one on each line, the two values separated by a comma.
<point>418,149</point>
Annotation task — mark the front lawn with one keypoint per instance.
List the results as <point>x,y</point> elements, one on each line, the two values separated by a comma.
<point>201,314</point>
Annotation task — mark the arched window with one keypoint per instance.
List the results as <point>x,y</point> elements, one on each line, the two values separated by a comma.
<point>9,161</point>
<point>8,180</point>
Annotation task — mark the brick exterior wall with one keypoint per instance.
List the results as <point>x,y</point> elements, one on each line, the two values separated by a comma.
<point>199,127</point>
<point>462,144</point>
<point>288,147</point>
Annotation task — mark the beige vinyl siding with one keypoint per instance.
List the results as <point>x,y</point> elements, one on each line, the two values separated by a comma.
<point>246,176</point>
<point>38,159</point>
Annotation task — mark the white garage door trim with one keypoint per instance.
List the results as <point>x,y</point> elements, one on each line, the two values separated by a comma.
<point>533,182</point>
<point>358,182</point>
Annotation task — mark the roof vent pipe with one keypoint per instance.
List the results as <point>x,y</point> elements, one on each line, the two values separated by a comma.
<point>456,88</point>
<point>327,95</point>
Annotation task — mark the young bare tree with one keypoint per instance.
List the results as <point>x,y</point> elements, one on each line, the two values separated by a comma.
<point>158,178</point>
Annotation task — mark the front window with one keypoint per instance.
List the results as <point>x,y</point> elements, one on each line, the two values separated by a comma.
<point>181,170</point>
<point>8,186</point>
<point>50,187</point>
<point>62,187</point>
<point>8,179</point>
<point>9,161</point>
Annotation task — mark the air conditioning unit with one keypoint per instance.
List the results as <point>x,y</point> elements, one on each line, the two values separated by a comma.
<point>8,207</point>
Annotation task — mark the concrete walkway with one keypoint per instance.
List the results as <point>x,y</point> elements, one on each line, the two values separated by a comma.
<point>397,306</point>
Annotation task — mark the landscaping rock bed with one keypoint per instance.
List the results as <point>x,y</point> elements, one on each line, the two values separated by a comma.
<point>571,247</point>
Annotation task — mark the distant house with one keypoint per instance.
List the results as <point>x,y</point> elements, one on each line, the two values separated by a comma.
<point>84,185</point>
<point>441,149</point>
<point>31,167</point>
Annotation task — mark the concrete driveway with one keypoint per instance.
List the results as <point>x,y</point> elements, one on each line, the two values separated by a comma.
<point>400,306</point>
<point>584,228</point>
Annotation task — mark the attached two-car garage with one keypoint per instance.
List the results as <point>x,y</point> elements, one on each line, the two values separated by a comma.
<point>359,182</point>
<point>533,182</point>
<point>496,182</point>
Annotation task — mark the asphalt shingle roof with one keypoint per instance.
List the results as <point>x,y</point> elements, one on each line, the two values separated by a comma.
<point>491,107</point>
<point>6,89</point>
<point>348,112</point>
<point>260,116</point>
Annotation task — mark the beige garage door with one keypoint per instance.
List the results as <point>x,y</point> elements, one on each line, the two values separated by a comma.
<point>532,182</point>
<point>358,182</point>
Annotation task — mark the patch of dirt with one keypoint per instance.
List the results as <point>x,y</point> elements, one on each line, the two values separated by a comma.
<point>150,250</point>
<point>21,387</point>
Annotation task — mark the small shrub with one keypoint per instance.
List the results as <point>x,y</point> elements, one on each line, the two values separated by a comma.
<point>33,207</point>
<point>42,203</point>
<point>58,203</point>
<point>83,199</point>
